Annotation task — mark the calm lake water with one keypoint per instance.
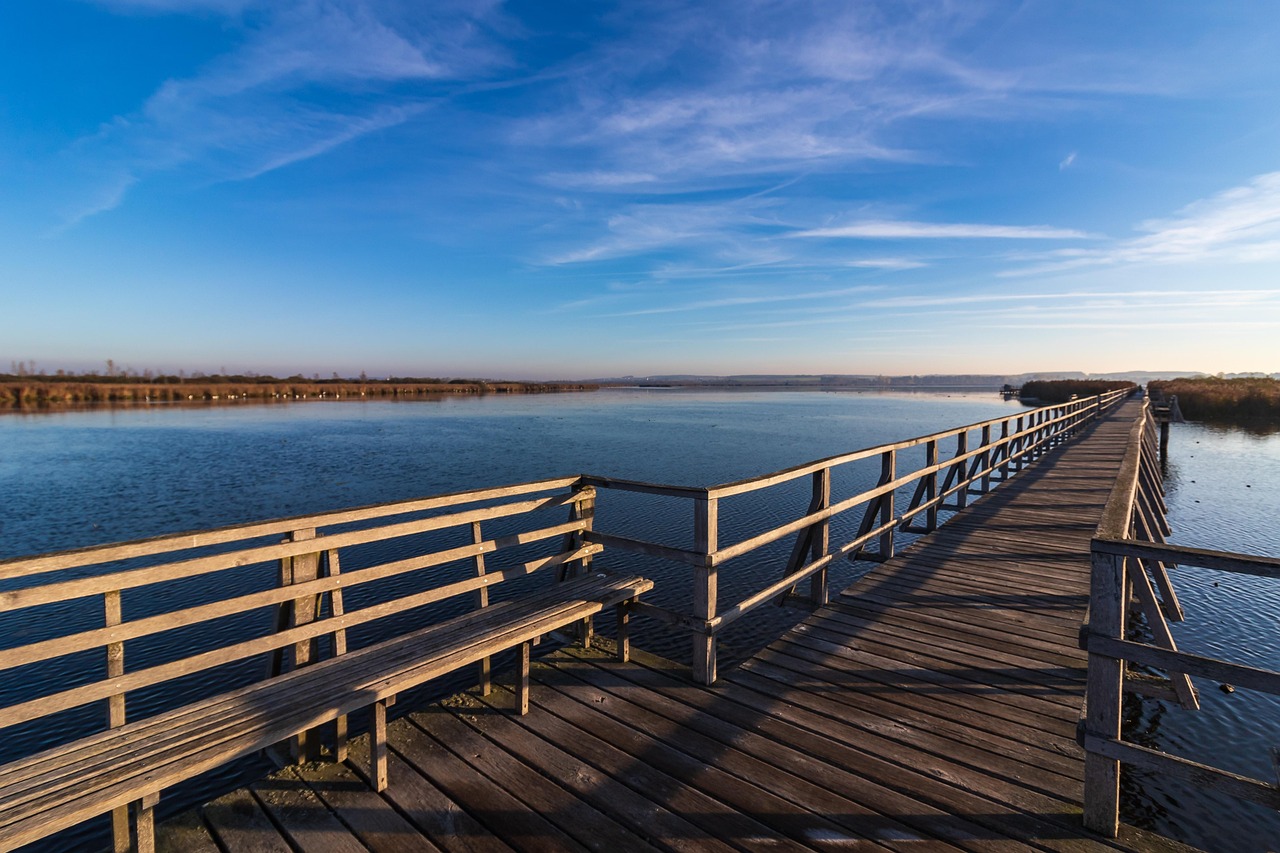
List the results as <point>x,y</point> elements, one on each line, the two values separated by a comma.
<point>76,478</point>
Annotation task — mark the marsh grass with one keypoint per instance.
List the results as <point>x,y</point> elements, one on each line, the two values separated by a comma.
<point>16,392</point>
<point>1244,401</point>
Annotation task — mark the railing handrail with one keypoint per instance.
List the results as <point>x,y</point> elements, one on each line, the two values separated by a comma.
<point>1022,436</point>
<point>1128,545</point>
<point>15,567</point>
<point>1117,516</point>
<point>1258,565</point>
<point>795,472</point>
<point>309,581</point>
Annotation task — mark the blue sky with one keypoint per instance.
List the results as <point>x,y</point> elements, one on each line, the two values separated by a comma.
<point>534,190</point>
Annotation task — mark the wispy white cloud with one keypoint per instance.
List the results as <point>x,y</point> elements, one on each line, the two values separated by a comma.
<point>1073,297</point>
<point>341,131</point>
<point>226,7</point>
<point>1067,162</point>
<point>880,229</point>
<point>887,263</point>
<point>649,227</point>
<point>284,94</point>
<point>782,87</point>
<point>598,179</point>
<point>107,196</point>
<point>1239,225</point>
<point>750,299</point>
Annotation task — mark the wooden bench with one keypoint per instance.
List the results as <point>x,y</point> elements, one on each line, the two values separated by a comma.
<point>130,763</point>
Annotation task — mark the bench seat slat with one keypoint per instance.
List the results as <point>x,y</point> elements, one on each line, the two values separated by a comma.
<point>304,687</point>
<point>477,622</point>
<point>63,786</point>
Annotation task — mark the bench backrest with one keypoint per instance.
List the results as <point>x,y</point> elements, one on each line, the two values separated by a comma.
<point>277,590</point>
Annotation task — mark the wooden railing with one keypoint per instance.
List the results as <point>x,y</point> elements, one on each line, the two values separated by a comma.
<point>1128,552</point>
<point>167,584</point>
<point>943,481</point>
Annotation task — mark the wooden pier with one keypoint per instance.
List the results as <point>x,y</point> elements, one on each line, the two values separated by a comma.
<point>932,705</point>
<point>964,694</point>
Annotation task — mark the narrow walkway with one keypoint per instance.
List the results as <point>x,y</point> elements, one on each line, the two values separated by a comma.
<point>932,705</point>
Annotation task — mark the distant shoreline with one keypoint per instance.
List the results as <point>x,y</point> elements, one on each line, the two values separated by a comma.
<point>59,394</point>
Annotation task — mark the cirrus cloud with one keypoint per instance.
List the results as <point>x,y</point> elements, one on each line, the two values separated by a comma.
<point>885,229</point>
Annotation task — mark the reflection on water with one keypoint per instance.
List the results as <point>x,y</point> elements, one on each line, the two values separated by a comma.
<point>1223,492</point>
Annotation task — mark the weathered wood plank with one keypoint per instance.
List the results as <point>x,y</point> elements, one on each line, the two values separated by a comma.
<point>646,779</point>
<point>793,807</point>
<point>653,822</point>
<point>184,833</point>
<point>363,812</point>
<point>238,823</point>
<point>305,819</point>
<point>421,798</point>
<point>509,796</point>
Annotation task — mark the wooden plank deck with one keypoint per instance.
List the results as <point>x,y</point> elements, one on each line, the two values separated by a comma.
<point>932,705</point>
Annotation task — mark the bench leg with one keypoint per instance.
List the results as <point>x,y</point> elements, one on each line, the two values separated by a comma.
<point>624,631</point>
<point>340,739</point>
<point>145,820</point>
<point>486,685</point>
<point>522,687</point>
<point>123,843</point>
<point>378,749</point>
<point>586,632</point>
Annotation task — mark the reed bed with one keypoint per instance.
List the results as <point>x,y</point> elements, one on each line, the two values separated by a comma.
<point>1244,400</point>
<point>25,393</point>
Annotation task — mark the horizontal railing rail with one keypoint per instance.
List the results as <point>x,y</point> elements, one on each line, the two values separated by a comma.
<point>310,600</point>
<point>1128,552</point>
<point>1005,446</point>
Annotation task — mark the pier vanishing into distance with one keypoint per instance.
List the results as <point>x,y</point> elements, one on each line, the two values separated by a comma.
<point>964,693</point>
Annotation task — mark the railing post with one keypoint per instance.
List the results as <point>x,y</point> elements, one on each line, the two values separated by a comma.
<point>706,524</point>
<point>985,458</point>
<point>115,710</point>
<point>1103,693</point>
<point>583,509</point>
<point>338,638</point>
<point>1005,445</point>
<point>302,568</point>
<point>888,467</point>
<point>1022,443</point>
<point>482,601</point>
<point>931,484</point>
<point>962,447</point>
<point>821,536</point>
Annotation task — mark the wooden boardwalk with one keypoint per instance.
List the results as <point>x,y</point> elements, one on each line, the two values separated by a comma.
<point>932,705</point>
